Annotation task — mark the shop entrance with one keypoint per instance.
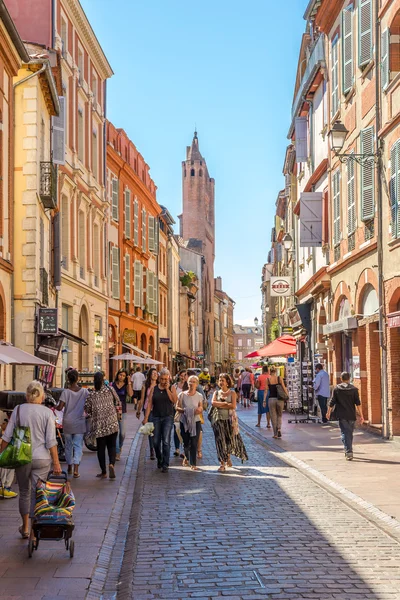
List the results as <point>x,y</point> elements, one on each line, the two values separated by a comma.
<point>347,353</point>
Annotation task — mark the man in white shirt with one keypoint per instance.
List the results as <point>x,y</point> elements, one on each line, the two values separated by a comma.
<point>137,380</point>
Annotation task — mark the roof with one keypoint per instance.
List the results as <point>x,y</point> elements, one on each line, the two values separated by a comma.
<point>193,151</point>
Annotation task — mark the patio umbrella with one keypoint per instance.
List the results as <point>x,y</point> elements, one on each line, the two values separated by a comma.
<point>130,357</point>
<point>152,361</point>
<point>280,347</point>
<point>11,355</point>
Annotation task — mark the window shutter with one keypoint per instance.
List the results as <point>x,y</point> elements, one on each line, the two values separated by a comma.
<point>156,235</point>
<point>385,68</point>
<point>336,208</point>
<point>58,135</point>
<point>155,296</point>
<point>137,291</point>
<point>351,201</point>
<point>144,230</point>
<point>151,234</point>
<point>127,214</point>
<point>397,215</point>
<point>347,50</point>
<point>115,272</point>
<point>335,78</point>
<point>364,32</point>
<point>394,155</point>
<point>367,176</point>
<point>115,194</point>
<point>288,184</point>
<point>136,223</point>
<point>301,133</point>
<point>127,278</point>
<point>150,292</point>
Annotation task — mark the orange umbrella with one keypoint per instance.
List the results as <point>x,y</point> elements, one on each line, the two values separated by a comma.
<point>282,346</point>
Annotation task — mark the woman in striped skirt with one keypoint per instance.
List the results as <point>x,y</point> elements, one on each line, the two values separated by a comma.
<point>227,437</point>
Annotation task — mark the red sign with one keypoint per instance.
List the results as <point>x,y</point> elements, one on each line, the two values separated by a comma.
<point>394,319</point>
<point>280,286</point>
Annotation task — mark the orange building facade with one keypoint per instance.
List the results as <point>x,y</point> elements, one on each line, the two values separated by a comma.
<point>132,250</point>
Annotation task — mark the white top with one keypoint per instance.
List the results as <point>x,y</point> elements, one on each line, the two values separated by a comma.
<point>137,380</point>
<point>186,401</point>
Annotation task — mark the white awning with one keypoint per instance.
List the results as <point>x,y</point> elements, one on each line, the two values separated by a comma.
<point>136,349</point>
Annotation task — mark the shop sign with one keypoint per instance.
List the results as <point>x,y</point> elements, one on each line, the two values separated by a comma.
<point>341,325</point>
<point>394,319</point>
<point>48,321</point>
<point>164,340</point>
<point>200,355</point>
<point>129,337</point>
<point>287,330</point>
<point>281,286</point>
<point>98,342</point>
<point>49,348</point>
<point>356,367</point>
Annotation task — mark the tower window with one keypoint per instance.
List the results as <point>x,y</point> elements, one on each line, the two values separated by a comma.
<point>201,162</point>
<point>201,172</point>
<point>192,173</point>
<point>192,162</point>
<point>185,172</point>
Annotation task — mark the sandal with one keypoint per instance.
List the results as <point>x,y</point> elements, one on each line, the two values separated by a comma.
<point>176,453</point>
<point>102,475</point>
<point>76,475</point>
<point>229,463</point>
<point>194,468</point>
<point>268,426</point>
<point>185,462</point>
<point>24,534</point>
<point>200,454</point>
<point>222,469</point>
<point>258,425</point>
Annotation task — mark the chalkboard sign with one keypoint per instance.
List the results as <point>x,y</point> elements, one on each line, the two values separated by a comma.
<point>48,321</point>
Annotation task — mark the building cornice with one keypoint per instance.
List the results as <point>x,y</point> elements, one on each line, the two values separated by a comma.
<point>312,281</point>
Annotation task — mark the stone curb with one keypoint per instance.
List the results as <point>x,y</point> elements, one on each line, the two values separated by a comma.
<point>389,525</point>
<point>105,576</point>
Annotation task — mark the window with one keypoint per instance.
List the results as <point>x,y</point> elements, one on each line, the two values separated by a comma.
<point>127,278</point>
<point>335,77</point>
<point>64,37</point>
<point>367,176</point>
<point>201,173</point>
<point>115,198</point>
<point>150,292</point>
<point>95,154</point>
<point>351,202</point>
<point>136,222</point>
<point>144,230</point>
<point>65,231</point>
<point>240,355</point>
<point>115,272</point>
<point>385,66</point>
<point>240,342</point>
<point>347,50</point>
<point>138,277</point>
<point>80,66</point>
<point>81,133</point>
<point>82,242</point>
<point>94,89</point>
<point>395,189</point>
<point>249,343</point>
<point>336,208</point>
<point>98,325</point>
<point>96,254</point>
<point>128,214</point>
<point>152,246</point>
<point>192,172</point>
<point>364,33</point>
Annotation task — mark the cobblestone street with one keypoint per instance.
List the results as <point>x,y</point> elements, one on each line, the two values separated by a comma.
<point>262,530</point>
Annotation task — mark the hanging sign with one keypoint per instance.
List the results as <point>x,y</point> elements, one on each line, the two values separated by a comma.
<point>48,321</point>
<point>281,286</point>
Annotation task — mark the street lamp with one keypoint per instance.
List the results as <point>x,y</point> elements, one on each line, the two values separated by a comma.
<point>337,137</point>
<point>267,308</point>
<point>287,242</point>
<point>256,322</point>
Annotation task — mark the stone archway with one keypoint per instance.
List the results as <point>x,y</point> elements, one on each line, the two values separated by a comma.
<point>83,358</point>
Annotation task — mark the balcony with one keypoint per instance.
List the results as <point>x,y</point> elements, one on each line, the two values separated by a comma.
<point>48,185</point>
<point>315,62</point>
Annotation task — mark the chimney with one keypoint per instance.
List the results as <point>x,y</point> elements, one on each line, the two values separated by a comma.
<point>218,284</point>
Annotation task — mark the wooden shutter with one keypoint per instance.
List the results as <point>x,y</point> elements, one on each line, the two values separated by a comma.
<point>394,188</point>
<point>138,284</point>
<point>144,230</point>
<point>58,134</point>
<point>127,278</point>
<point>114,199</point>
<point>288,184</point>
<point>336,208</point>
<point>385,67</point>
<point>310,219</point>
<point>301,134</point>
<point>151,234</point>
<point>136,222</point>
<point>367,176</point>
<point>115,272</point>
<point>127,214</point>
<point>364,32</point>
<point>351,200</point>
<point>155,295</point>
<point>150,292</point>
<point>397,215</point>
<point>335,78</point>
<point>347,50</point>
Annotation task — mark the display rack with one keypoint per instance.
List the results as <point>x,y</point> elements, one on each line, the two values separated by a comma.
<point>305,395</point>
<point>86,380</point>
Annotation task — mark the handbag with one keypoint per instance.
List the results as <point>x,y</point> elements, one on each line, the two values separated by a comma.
<point>19,450</point>
<point>212,414</point>
<point>282,395</point>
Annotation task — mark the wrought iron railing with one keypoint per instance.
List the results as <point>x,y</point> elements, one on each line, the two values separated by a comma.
<point>369,230</point>
<point>351,242</point>
<point>48,184</point>
<point>336,252</point>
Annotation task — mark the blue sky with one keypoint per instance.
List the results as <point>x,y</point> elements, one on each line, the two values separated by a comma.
<point>228,67</point>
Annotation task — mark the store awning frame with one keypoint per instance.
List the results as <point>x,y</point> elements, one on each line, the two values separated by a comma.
<point>71,337</point>
<point>136,349</point>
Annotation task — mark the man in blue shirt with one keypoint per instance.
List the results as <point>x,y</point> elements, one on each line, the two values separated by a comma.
<point>322,389</point>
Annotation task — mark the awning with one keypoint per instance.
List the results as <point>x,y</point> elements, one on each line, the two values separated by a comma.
<point>136,349</point>
<point>12,355</point>
<point>71,337</point>
<point>280,347</point>
<point>341,325</point>
<point>393,319</point>
<point>179,355</point>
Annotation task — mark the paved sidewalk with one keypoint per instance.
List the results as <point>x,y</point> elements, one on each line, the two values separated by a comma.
<point>51,573</point>
<point>373,474</point>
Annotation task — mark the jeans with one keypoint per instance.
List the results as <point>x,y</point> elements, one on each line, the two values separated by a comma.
<point>323,402</point>
<point>246,388</point>
<point>162,439</point>
<point>73,448</point>
<point>190,443</point>
<point>177,442</point>
<point>121,433</point>
<point>109,442</point>
<point>347,429</point>
<point>27,478</point>
<point>275,410</point>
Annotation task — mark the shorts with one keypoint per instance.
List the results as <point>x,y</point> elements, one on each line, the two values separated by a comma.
<point>137,394</point>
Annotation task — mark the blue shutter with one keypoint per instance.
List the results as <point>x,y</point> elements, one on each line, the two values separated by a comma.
<point>364,32</point>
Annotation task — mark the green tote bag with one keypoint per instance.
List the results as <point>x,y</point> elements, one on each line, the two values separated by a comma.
<point>19,450</point>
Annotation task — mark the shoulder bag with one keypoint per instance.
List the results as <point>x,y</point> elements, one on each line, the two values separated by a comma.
<point>282,395</point>
<point>19,450</point>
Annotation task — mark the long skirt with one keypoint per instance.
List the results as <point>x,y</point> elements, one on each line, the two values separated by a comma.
<point>227,443</point>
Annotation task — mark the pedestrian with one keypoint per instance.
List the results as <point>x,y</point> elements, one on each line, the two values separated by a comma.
<point>227,442</point>
<point>162,400</point>
<point>123,388</point>
<point>322,389</point>
<point>262,398</point>
<point>40,421</point>
<point>190,407</point>
<point>73,400</point>
<point>276,405</point>
<point>104,408</point>
<point>236,376</point>
<point>204,377</point>
<point>346,402</point>
<point>180,386</point>
<point>246,386</point>
<point>6,475</point>
<point>202,391</point>
<point>137,380</point>
<point>149,384</point>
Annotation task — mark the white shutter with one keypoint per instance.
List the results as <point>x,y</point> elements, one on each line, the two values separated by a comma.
<point>288,184</point>
<point>143,289</point>
<point>127,278</point>
<point>151,234</point>
<point>301,134</point>
<point>150,292</point>
<point>347,50</point>
<point>351,200</point>
<point>394,166</point>
<point>114,198</point>
<point>335,78</point>
<point>115,272</point>
<point>58,134</point>
<point>136,222</point>
<point>155,295</point>
<point>156,234</point>
<point>367,176</point>
<point>364,32</point>
<point>310,219</point>
<point>397,215</point>
<point>138,285</point>
<point>144,230</point>
<point>127,214</point>
<point>336,208</point>
<point>385,67</point>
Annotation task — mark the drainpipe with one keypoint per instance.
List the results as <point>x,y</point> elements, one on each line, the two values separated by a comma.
<point>386,425</point>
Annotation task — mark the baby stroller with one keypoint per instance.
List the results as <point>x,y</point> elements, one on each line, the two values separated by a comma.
<point>53,512</point>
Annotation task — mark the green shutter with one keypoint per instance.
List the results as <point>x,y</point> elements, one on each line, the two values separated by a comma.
<point>351,201</point>
<point>364,32</point>
<point>151,234</point>
<point>367,176</point>
<point>385,68</point>
<point>127,278</point>
<point>347,50</point>
<point>138,285</point>
<point>144,230</point>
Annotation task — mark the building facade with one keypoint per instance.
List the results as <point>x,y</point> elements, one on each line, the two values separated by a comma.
<point>246,340</point>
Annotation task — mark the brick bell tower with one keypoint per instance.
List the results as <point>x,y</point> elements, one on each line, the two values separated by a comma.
<point>197,226</point>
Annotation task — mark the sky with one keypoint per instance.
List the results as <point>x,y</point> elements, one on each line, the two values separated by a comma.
<point>228,68</point>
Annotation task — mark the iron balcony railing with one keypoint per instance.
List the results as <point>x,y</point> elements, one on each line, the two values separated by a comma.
<point>315,62</point>
<point>48,184</point>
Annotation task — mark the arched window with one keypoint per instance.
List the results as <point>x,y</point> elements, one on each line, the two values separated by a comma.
<point>370,303</point>
<point>192,173</point>
<point>201,173</point>
<point>184,172</point>
<point>83,357</point>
